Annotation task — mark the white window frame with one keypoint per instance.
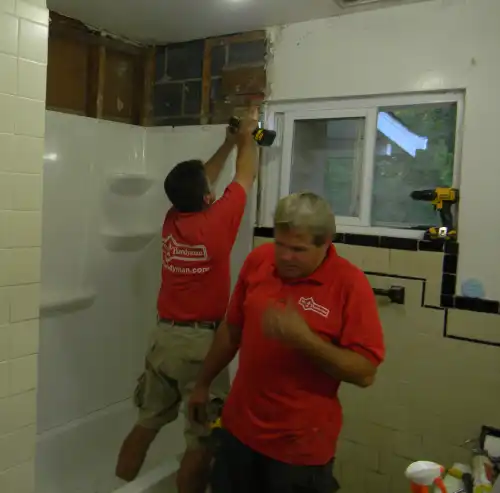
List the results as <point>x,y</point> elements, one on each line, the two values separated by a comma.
<point>276,164</point>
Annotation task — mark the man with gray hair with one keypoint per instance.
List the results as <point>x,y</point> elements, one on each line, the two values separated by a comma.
<point>304,320</point>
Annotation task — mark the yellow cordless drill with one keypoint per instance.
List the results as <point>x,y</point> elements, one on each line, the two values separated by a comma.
<point>442,199</point>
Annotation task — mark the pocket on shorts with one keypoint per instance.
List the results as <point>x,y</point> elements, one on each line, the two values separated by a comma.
<point>139,391</point>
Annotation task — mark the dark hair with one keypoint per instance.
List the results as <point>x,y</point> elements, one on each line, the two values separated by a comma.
<point>186,186</point>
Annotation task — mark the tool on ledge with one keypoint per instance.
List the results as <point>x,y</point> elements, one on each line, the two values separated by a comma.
<point>442,198</point>
<point>262,136</point>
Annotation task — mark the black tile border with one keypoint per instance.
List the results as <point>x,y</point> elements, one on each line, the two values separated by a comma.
<point>449,298</point>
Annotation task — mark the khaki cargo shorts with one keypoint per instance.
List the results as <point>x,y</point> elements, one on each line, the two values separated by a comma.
<point>173,363</point>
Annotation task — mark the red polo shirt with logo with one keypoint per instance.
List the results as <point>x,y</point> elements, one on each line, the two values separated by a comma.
<point>195,279</point>
<point>281,404</point>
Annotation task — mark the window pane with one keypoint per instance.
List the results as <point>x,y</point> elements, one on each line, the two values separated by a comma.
<point>414,151</point>
<point>327,159</point>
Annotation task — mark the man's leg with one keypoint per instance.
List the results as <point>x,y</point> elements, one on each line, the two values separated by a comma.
<point>158,398</point>
<point>287,478</point>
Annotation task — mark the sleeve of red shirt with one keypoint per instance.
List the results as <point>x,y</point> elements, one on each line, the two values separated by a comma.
<point>235,314</point>
<point>362,331</point>
<point>225,214</point>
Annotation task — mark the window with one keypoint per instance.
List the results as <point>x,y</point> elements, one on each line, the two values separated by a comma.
<point>365,157</point>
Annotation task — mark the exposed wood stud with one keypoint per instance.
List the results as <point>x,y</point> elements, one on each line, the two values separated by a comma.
<point>101,82</point>
<point>206,82</point>
<point>146,114</point>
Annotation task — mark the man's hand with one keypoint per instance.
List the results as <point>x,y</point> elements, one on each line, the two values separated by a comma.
<point>197,406</point>
<point>248,124</point>
<point>231,137</point>
<point>282,321</point>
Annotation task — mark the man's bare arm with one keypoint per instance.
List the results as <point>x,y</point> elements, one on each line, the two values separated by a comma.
<point>223,350</point>
<point>214,165</point>
<point>340,363</point>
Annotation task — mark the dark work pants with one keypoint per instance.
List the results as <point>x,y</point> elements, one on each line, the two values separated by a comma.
<point>239,469</point>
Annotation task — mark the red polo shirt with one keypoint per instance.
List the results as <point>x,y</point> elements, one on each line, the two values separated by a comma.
<point>281,404</point>
<point>195,279</point>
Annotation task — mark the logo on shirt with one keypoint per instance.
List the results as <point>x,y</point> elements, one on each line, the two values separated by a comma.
<point>173,250</point>
<point>309,305</point>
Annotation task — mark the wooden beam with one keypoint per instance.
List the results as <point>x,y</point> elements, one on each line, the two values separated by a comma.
<point>101,82</point>
<point>239,38</point>
<point>146,111</point>
<point>206,82</point>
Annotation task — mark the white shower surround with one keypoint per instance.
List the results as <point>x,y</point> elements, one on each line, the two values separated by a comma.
<point>103,210</point>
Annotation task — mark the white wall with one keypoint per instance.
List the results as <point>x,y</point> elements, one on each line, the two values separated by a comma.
<point>23,65</point>
<point>429,46</point>
<point>101,261</point>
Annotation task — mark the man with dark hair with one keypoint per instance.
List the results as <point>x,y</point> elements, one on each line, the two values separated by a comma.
<point>198,236</point>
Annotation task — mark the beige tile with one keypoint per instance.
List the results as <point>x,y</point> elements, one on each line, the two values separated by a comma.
<point>17,448</point>
<point>433,292</point>
<point>7,152</point>
<point>24,338</point>
<point>7,6</point>
<point>9,28</point>
<point>19,266</point>
<point>23,374</point>
<point>376,482</point>
<point>408,445</point>
<point>8,74</point>
<point>392,464</point>
<point>473,325</point>
<point>24,302</point>
<point>38,3</point>
<point>32,80</point>
<point>4,343</point>
<point>29,154</point>
<point>7,112</point>
<point>6,190</point>
<point>22,229</point>
<point>365,433</point>
<point>33,41</point>
<point>32,12</point>
<point>4,379</point>
<point>18,479</point>
<point>364,457</point>
<point>30,117</point>
<point>258,241</point>
<point>355,254</point>
<point>425,265</point>
<point>4,306</point>
<point>17,412</point>
<point>376,260</point>
<point>27,192</point>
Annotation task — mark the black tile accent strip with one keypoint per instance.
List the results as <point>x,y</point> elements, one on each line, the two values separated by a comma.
<point>477,305</point>
<point>398,243</point>
<point>449,298</point>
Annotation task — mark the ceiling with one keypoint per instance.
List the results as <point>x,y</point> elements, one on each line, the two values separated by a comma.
<point>164,21</point>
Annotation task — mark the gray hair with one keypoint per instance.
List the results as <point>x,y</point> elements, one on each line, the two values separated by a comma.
<point>306,211</point>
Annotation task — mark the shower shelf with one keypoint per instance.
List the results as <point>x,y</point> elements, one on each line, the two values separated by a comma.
<point>122,242</point>
<point>55,303</point>
<point>130,184</point>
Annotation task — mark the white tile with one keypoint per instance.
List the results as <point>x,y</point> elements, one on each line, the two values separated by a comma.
<point>23,338</point>
<point>5,297</point>
<point>17,411</point>
<point>30,117</point>
<point>38,3</point>
<point>7,113</point>
<point>19,266</point>
<point>4,379</point>
<point>8,74</point>
<point>32,80</point>
<point>19,479</point>
<point>23,374</point>
<point>4,342</point>
<point>9,28</point>
<point>20,229</point>
<point>33,41</point>
<point>24,302</point>
<point>7,152</point>
<point>32,12</point>
<point>7,6</point>
<point>28,154</point>
<point>17,447</point>
<point>26,192</point>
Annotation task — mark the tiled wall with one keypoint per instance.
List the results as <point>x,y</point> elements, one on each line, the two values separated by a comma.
<point>23,59</point>
<point>438,385</point>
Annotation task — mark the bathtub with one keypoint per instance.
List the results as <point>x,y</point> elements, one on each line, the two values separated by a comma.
<point>80,456</point>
